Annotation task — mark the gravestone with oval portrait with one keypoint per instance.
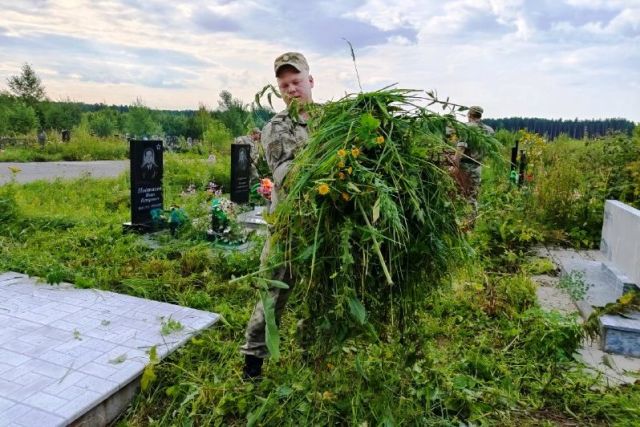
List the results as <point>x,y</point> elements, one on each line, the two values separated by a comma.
<point>146,182</point>
<point>240,172</point>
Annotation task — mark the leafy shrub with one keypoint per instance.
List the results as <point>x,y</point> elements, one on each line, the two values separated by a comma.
<point>537,266</point>
<point>81,147</point>
<point>550,335</point>
<point>562,198</point>
<point>181,171</point>
<point>8,207</point>
<point>22,118</point>
<point>218,137</point>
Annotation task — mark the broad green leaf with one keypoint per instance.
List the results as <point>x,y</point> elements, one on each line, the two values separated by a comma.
<point>254,417</point>
<point>352,186</point>
<point>368,122</point>
<point>360,369</point>
<point>284,391</point>
<point>357,310</point>
<point>376,211</point>
<point>272,337</point>
<point>153,355</point>
<point>148,376</point>
<point>197,341</point>
<point>276,284</point>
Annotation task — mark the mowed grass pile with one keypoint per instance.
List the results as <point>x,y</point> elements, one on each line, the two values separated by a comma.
<point>369,224</point>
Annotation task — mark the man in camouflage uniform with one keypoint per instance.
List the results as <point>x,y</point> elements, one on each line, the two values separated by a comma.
<point>468,158</point>
<point>281,139</point>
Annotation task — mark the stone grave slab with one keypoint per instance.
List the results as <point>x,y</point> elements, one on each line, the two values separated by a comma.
<point>146,170</point>
<point>253,219</point>
<point>74,356</point>
<point>240,172</point>
<point>621,335</point>
<point>603,287</point>
<point>620,241</point>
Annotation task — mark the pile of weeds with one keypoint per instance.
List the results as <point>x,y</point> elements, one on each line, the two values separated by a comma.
<point>369,224</point>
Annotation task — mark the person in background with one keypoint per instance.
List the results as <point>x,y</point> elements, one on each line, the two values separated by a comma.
<point>468,159</point>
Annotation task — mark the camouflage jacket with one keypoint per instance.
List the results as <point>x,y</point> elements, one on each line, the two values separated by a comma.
<point>281,139</point>
<point>471,155</point>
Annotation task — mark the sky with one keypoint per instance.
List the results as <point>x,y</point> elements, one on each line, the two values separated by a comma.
<point>536,58</point>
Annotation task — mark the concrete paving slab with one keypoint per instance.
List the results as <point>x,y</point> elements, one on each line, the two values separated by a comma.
<point>253,219</point>
<point>597,361</point>
<point>613,369</point>
<point>71,354</point>
<point>603,286</point>
<point>550,297</point>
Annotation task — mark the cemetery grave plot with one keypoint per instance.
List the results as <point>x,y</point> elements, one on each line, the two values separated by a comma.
<point>69,355</point>
<point>146,168</point>
<point>610,275</point>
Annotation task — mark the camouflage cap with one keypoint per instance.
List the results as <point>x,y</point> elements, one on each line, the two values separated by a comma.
<point>294,59</point>
<point>474,109</point>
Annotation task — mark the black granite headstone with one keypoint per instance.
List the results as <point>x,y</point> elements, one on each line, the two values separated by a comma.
<point>42,137</point>
<point>146,180</point>
<point>240,172</point>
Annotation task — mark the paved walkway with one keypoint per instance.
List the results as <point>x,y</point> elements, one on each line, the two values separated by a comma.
<point>68,354</point>
<point>613,369</point>
<point>50,170</point>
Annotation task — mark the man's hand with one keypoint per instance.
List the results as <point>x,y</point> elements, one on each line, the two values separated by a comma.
<point>457,156</point>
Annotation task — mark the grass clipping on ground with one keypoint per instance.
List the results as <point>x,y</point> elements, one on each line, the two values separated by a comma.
<point>369,222</point>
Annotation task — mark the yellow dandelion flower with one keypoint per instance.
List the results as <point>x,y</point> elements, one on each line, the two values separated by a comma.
<point>340,165</point>
<point>379,139</point>
<point>346,196</point>
<point>323,189</point>
<point>349,170</point>
<point>327,395</point>
<point>342,152</point>
<point>341,175</point>
<point>355,151</point>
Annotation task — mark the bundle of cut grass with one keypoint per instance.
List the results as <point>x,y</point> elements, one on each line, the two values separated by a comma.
<point>369,222</point>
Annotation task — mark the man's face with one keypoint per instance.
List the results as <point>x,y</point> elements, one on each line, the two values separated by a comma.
<point>295,84</point>
<point>472,117</point>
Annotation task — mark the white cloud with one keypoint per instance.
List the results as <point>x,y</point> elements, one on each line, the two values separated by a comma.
<point>548,58</point>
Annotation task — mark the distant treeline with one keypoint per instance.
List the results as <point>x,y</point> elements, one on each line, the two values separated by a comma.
<point>551,128</point>
<point>20,116</point>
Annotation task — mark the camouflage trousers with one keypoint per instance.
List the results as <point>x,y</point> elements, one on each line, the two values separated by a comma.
<point>473,170</point>
<point>255,344</point>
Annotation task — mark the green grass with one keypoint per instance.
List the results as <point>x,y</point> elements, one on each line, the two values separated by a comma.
<point>82,147</point>
<point>479,349</point>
